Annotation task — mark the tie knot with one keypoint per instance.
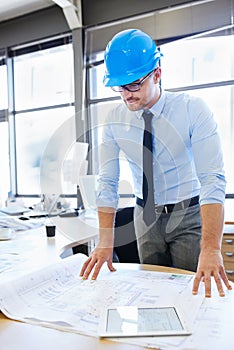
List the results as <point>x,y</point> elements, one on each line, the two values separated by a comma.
<point>147,116</point>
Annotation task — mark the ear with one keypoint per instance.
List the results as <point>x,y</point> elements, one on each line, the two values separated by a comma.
<point>157,75</point>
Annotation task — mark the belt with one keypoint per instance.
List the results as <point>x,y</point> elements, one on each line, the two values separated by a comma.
<point>168,208</point>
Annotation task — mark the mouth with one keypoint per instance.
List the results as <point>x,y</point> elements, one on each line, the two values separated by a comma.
<point>131,100</point>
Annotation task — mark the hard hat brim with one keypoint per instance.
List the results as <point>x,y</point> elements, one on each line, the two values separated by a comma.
<point>130,77</point>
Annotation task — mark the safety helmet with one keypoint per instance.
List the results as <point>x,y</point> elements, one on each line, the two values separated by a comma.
<point>130,55</point>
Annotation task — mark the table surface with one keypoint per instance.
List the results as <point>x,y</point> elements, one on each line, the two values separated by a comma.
<point>41,250</point>
<point>16,335</point>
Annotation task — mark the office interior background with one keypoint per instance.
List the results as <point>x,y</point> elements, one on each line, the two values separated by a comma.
<point>51,91</point>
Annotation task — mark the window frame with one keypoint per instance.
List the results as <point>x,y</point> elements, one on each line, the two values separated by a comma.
<point>18,51</point>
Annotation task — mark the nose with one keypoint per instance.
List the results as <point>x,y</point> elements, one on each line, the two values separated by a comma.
<point>126,93</point>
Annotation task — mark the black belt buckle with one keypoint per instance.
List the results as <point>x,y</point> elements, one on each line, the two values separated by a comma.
<point>165,209</point>
<point>168,208</point>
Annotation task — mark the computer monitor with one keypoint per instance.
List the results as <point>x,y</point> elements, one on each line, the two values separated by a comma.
<point>88,190</point>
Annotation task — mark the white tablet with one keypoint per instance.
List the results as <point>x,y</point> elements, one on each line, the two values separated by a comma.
<point>133,321</point>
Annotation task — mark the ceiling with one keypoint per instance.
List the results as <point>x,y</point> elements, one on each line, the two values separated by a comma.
<point>13,8</point>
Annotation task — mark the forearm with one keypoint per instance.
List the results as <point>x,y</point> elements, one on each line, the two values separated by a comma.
<point>106,217</point>
<point>104,250</point>
<point>212,216</point>
<point>210,262</point>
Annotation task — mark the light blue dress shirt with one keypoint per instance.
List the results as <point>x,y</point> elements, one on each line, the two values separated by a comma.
<point>188,158</point>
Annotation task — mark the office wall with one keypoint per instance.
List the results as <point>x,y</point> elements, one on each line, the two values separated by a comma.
<point>51,21</point>
<point>32,27</point>
<point>165,25</point>
<point>101,11</point>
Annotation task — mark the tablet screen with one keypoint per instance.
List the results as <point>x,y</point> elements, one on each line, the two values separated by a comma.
<point>142,321</point>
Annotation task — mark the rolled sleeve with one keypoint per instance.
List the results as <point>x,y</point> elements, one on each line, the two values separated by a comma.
<point>109,169</point>
<point>208,157</point>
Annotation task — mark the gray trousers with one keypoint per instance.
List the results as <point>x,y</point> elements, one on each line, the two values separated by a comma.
<point>173,240</point>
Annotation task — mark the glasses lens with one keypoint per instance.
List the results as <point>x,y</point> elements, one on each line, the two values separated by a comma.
<point>117,88</point>
<point>133,87</point>
<point>130,87</point>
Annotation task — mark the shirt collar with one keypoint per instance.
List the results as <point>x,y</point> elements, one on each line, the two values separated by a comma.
<point>157,108</point>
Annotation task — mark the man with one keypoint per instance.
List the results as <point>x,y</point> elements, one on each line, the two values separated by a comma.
<point>183,226</point>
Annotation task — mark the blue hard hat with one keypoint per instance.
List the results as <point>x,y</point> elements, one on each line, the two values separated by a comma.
<point>130,55</point>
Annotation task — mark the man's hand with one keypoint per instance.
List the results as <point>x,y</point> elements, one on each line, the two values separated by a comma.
<point>211,265</point>
<point>94,263</point>
<point>104,250</point>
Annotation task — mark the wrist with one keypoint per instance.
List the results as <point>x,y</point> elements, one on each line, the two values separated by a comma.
<point>207,245</point>
<point>207,250</point>
<point>106,241</point>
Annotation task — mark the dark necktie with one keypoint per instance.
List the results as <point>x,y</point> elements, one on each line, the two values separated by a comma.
<point>148,182</point>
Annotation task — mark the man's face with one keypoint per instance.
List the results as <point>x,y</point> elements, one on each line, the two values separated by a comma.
<point>147,96</point>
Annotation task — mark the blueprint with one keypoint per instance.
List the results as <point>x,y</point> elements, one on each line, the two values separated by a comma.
<point>57,297</point>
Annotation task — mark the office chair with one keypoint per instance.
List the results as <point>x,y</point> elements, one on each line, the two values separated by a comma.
<point>125,245</point>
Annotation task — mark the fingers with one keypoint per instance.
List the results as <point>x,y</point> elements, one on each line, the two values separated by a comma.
<point>82,271</point>
<point>207,282</point>
<point>219,277</point>
<point>225,279</point>
<point>97,270</point>
<point>219,285</point>
<point>88,266</point>
<point>110,266</point>
<point>95,265</point>
<point>196,283</point>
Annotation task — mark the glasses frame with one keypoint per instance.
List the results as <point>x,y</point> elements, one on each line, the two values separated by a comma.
<point>133,87</point>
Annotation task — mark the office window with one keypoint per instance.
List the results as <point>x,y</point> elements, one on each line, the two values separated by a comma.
<point>4,142</point>
<point>221,100</point>
<point>44,78</point>
<point>33,132</point>
<point>197,61</point>
<point>99,112</point>
<point>4,163</point>
<point>3,86</point>
<point>44,102</point>
<point>96,74</point>
<point>204,67</point>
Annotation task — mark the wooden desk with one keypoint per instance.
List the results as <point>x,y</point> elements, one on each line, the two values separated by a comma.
<point>21,336</point>
<point>38,250</point>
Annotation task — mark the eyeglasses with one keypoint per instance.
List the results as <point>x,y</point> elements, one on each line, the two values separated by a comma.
<point>131,87</point>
